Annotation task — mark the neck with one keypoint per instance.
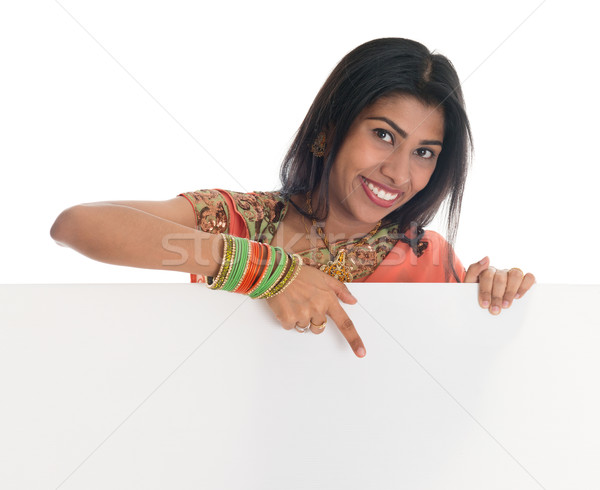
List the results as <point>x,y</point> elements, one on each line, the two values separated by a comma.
<point>338,224</point>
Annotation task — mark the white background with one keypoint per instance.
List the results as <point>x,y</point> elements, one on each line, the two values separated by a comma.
<point>126,99</point>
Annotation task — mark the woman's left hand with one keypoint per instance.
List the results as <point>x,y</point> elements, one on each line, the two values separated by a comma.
<point>498,287</point>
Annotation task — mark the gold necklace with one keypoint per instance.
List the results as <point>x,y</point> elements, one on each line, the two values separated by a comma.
<point>336,268</point>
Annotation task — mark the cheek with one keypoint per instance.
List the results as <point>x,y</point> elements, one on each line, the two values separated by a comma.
<point>422,177</point>
<point>359,153</point>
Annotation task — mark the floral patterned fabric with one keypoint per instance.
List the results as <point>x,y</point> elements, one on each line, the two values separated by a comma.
<point>263,211</point>
<point>212,214</point>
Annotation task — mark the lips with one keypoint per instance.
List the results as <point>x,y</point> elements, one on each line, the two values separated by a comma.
<point>381,195</point>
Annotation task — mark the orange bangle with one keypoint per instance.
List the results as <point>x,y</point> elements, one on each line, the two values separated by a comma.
<point>251,269</point>
<point>259,266</point>
<point>265,258</point>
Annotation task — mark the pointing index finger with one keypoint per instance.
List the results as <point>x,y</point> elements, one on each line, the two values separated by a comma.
<point>346,326</point>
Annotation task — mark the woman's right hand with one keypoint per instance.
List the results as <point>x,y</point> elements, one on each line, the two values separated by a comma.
<point>310,298</point>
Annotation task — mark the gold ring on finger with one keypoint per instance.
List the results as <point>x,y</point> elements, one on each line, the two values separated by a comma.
<point>301,329</point>
<point>516,269</point>
<point>320,327</point>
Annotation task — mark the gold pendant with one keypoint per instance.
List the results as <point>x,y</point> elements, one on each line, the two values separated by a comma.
<point>337,268</point>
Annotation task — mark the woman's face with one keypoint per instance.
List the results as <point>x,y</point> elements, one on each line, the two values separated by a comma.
<point>389,155</point>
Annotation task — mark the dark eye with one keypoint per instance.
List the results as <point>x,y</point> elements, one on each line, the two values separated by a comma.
<point>425,153</point>
<point>384,135</point>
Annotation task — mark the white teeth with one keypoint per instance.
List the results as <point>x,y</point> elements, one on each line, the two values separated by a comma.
<point>380,193</point>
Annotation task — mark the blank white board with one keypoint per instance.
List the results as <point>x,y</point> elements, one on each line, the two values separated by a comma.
<point>156,386</point>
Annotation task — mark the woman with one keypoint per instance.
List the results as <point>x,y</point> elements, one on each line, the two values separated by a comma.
<point>385,142</point>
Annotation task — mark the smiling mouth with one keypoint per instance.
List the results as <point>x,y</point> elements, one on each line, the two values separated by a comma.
<point>380,193</point>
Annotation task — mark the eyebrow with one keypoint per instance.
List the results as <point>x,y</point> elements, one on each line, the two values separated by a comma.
<point>403,133</point>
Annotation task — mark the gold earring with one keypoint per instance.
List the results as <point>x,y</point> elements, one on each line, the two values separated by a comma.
<point>318,147</point>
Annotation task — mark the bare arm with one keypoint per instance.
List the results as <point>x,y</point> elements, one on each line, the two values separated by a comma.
<point>145,234</point>
<point>162,235</point>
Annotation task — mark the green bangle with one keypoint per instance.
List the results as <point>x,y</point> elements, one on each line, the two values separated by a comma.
<point>246,265</point>
<point>239,263</point>
<point>271,280</point>
<point>283,266</point>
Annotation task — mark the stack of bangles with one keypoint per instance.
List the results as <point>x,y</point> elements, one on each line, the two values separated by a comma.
<point>253,268</point>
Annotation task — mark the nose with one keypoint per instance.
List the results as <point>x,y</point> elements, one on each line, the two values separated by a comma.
<point>396,167</point>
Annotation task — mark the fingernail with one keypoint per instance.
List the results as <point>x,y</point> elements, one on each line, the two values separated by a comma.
<point>517,296</point>
<point>482,261</point>
<point>485,304</point>
<point>505,304</point>
<point>495,310</point>
<point>361,352</point>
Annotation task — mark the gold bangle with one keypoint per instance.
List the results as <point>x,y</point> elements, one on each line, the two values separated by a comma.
<point>277,288</point>
<point>299,264</point>
<point>267,293</point>
<point>234,250</point>
<point>215,282</point>
<point>228,261</point>
<point>289,277</point>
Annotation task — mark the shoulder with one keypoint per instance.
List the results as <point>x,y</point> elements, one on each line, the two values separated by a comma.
<point>212,214</point>
<point>418,240</point>
<point>255,198</point>
<point>217,208</point>
<point>258,205</point>
<point>203,197</point>
<point>434,237</point>
<point>434,246</point>
<point>439,251</point>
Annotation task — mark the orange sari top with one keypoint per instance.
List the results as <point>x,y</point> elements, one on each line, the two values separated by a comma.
<point>401,264</point>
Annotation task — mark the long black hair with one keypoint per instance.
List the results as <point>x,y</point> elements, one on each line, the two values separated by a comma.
<point>374,69</point>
